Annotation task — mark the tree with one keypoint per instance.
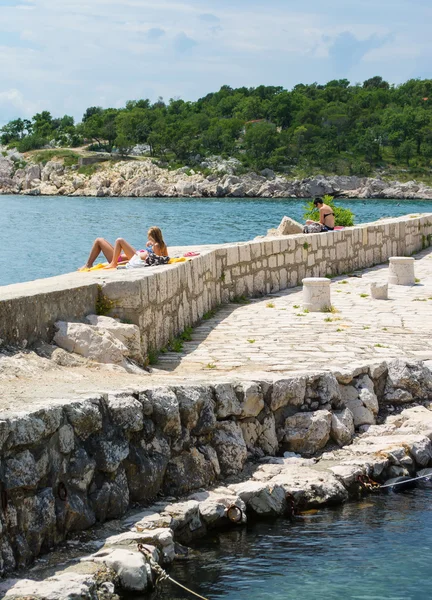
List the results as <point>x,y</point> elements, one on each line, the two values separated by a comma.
<point>91,111</point>
<point>375,83</point>
<point>15,130</point>
<point>123,144</point>
<point>260,140</point>
<point>43,124</point>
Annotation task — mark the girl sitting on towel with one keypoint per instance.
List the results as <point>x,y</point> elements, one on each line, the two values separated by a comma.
<point>155,253</point>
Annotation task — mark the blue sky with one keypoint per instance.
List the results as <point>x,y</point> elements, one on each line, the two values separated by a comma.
<point>66,55</point>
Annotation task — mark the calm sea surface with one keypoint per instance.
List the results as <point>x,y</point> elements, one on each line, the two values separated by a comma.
<point>379,549</point>
<point>45,236</point>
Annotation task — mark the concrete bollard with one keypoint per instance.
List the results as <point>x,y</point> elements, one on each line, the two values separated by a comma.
<point>316,294</point>
<point>401,271</point>
<point>379,291</point>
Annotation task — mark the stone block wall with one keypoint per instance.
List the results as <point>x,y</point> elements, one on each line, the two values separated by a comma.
<point>177,296</point>
<point>67,466</point>
<point>162,301</point>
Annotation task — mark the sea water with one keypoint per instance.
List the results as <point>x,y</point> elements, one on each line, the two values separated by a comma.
<point>377,549</point>
<point>45,236</point>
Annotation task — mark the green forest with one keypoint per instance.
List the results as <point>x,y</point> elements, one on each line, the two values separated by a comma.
<point>333,128</point>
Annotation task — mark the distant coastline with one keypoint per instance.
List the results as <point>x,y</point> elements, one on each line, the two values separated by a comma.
<point>100,176</point>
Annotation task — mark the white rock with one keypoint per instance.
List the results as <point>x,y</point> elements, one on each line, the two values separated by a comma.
<point>308,433</point>
<point>127,334</point>
<point>262,498</point>
<point>129,566</point>
<point>289,226</point>
<point>230,447</point>
<point>342,427</point>
<point>66,586</point>
<point>90,342</point>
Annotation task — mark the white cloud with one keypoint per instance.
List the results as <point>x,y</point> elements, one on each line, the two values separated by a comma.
<point>13,104</point>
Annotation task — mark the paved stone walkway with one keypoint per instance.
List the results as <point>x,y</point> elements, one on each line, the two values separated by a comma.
<point>274,334</point>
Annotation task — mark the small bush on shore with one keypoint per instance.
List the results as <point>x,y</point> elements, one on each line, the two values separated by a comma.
<point>343,216</point>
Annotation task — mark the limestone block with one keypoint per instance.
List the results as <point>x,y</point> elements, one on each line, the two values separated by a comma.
<point>90,342</point>
<point>288,392</point>
<point>197,408</point>
<point>166,413</point>
<point>307,433</point>
<point>250,429</point>
<point>127,334</point>
<point>110,454</point>
<point>85,417</point>
<point>379,291</point>
<point>262,498</point>
<point>316,294</point>
<point>189,471</point>
<point>20,471</point>
<point>66,439</point>
<point>227,403</point>
<point>145,468</point>
<point>267,439</point>
<point>289,226</point>
<point>361,400</point>
<point>342,427</point>
<point>129,566</point>
<point>407,381</point>
<point>251,399</point>
<point>23,430</point>
<point>125,411</point>
<point>63,586</point>
<point>401,270</point>
<point>230,447</point>
<point>324,387</point>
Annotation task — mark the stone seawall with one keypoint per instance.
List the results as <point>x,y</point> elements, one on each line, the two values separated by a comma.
<point>69,465</point>
<point>163,301</point>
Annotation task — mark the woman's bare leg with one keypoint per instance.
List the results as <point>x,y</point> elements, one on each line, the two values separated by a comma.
<point>99,245</point>
<point>120,245</point>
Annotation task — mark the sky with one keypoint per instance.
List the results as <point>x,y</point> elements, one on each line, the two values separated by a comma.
<point>66,55</point>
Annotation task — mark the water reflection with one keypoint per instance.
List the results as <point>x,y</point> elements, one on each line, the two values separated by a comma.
<point>376,549</point>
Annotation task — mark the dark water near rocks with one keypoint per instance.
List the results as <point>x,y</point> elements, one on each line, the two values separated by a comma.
<point>45,236</point>
<point>378,549</point>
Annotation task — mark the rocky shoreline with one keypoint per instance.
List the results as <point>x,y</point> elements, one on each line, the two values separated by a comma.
<point>143,178</point>
<point>329,430</point>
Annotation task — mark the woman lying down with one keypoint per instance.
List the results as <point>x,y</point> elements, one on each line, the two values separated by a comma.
<point>155,253</point>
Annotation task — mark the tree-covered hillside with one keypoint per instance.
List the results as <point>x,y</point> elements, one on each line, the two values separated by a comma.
<point>333,128</point>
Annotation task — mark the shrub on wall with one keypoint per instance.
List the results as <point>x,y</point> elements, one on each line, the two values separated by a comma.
<point>343,216</point>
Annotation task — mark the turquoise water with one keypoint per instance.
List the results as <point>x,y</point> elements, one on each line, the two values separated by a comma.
<point>375,550</point>
<point>45,236</point>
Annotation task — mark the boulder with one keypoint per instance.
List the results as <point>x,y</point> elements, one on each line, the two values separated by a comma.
<point>197,409</point>
<point>289,226</point>
<point>165,409</point>
<point>129,566</point>
<point>230,447</point>
<point>126,411</point>
<point>361,400</point>
<point>342,427</point>
<point>251,399</point>
<point>63,586</point>
<point>261,498</point>
<point>90,342</point>
<point>407,381</point>
<point>308,433</point>
<point>126,333</point>
<point>288,392</point>
<point>187,472</point>
<point>185,188</point>
<point>227,403</point>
